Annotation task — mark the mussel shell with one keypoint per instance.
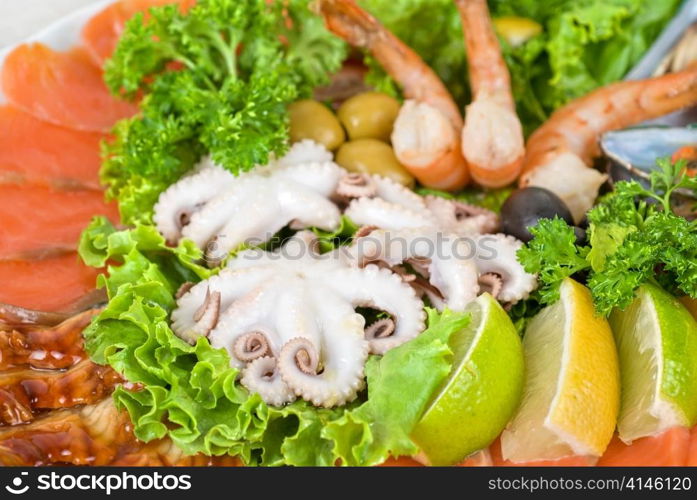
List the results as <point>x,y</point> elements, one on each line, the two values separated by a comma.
<point>632,153</point>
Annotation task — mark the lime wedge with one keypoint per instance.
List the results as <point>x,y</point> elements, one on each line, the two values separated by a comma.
<point>571,395</point>
<point>482,391</point>
<point>657,342</point>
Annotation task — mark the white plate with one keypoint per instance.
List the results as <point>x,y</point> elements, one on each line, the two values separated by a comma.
<point>63,34</point>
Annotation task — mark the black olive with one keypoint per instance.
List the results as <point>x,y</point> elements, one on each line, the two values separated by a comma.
<point>584,222</point>
<point>619,173</point>
<point>526,206</point>
<point>580,234</point>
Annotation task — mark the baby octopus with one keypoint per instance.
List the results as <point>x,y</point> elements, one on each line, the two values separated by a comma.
<point>381,202</point>
<point>305,188</point>
<point>220,211</point>
<point>287,318</point>
<point>449,270</point>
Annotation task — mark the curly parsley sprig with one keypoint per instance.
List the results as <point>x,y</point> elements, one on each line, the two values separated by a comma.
<point>634,237</point>
<point>216,79</point>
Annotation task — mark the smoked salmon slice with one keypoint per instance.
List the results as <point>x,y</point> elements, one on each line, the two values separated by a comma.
<point>667,449</point>
<point>35,151</point>
<point>52,284</point>
<point>63,88</point>
<point>101,33</point>
<point>37,221</point>
<point>692,453</point>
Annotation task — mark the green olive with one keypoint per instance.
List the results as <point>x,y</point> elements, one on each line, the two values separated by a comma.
<point>312,120</point>
<point>370,156</point>
<point>371,114</point>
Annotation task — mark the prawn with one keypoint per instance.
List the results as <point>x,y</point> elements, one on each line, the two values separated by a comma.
<point>492,138</point>
<point>426,132</point>
<point>561,150</point>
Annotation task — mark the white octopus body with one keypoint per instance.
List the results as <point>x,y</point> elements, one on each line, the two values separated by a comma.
<point>223,212</point>
<point>306,151</point>
<point>186,197</point>
<point>496,255</point>
<point>397,207</point>
<point>449,259</point>
<point>385,215</point>
<point>295,316</point>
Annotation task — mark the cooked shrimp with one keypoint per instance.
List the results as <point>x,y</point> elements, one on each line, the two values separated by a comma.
<point>561,150</point>
<point>425,135</point>
<point>492,139</point>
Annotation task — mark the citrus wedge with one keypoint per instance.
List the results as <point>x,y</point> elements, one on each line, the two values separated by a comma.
<point>657,342</point>
<point>482,391</point>
<point>571,395</point>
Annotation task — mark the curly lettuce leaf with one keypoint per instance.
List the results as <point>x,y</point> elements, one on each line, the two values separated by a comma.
<point>190,393</point>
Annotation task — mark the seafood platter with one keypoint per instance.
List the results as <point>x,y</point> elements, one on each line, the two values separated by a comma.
<point>351,232</point>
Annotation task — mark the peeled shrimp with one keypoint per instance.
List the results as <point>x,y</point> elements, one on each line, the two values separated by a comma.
<point>425,135</point>
<point>561,150</point>
<point>492,138</point>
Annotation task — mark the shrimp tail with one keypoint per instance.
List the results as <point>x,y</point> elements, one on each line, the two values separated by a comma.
<point>576,127</point>
<point>487,69</point>
<point>561,151</point>
<point>425,132</point>
<point>348,21</point>
<point>492,137</point>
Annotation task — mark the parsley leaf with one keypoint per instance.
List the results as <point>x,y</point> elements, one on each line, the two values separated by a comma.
<point>635,237</point>
<point>216,79</point>
<point>553,255</point>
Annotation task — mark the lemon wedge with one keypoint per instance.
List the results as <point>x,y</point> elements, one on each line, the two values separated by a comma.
<point>571,395</point>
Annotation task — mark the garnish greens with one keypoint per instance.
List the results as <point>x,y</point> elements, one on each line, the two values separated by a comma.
<point>635,237</point>
<point>190,393</point>
<point>216,79</point>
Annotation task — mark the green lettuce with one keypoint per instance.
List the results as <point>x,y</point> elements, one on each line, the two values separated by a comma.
<point>190,393</point>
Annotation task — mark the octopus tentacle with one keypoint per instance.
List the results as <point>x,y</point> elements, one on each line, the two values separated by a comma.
<point>259,204</point>
<point>320,177</point>
<point>462,218</point>
<point>206,317</point>
<point>183,323</point>
<point>207,222</point>
<point>177,204</point>
<point>383,290</point>
<point>304,205</point>
<point>305,151</point>
<point>253,312</point>
<point>354,185</point>
<point>451,270</point>
<point>380,213</point>
<point>251,346</point>
<point>341,358</point>
<point>491,283</point>
<point>496,253</point>
<point>382,328</point>
<point>261,376</point>
<point>394,192</point>
<point>183,289</point>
